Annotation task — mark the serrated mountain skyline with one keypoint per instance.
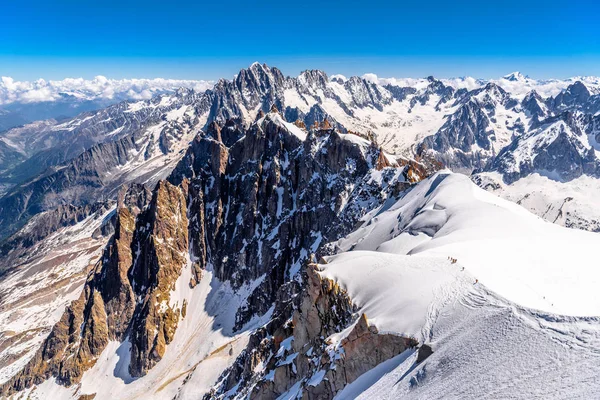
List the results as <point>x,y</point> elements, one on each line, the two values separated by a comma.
<point>463,128</point>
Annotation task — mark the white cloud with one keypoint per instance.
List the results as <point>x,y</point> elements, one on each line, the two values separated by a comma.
<point>100,87</point>
<point>338,76</point>
<point>468,83</point>
<point>371,77</point>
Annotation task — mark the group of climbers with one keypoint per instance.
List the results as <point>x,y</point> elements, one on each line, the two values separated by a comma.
<point>454,260</point>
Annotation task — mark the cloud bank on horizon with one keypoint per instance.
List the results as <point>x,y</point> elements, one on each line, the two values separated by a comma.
<point>12,91</point>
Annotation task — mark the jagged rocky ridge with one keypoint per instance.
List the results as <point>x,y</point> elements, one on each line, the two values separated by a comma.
<point>141,141</point>
<point>256,210</point>
<point>45,266</point>
<point>144,156</point>
<point>490,130</point>
<point>87,157</point>
<point>47,143</point>
<point>294,351</point>
<point>292,186</point>
<point>563,145</point>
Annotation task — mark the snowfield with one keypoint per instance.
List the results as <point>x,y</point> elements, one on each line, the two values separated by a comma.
<point>485,347</point>
<point>515,317</point>
<point>516,254</point>
<point>488,274</point>
<point>398,293</point>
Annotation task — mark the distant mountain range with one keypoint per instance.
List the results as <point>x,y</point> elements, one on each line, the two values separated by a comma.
<point>504,126</point>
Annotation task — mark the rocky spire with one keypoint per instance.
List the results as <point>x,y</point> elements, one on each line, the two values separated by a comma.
<point>120,296</point>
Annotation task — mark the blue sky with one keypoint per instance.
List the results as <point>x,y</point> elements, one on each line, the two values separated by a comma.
<point>207,40</point>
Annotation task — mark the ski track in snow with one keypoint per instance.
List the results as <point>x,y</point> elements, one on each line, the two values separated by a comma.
<point>504,321</point>
<point>485,347</point>
<point>488,340</point>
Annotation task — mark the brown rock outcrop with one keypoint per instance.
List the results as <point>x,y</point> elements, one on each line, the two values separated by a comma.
<point>142,260</point>
<point>305,353</point>
<point>163,253</point>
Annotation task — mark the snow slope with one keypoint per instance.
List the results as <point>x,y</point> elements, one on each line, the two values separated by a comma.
<point>516,254</point>
<point>485,347</point>
<point>389,285</point>
<point>496,318</point>
<point>515,316</point>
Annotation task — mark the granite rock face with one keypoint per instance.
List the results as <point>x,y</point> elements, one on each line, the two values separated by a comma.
<point>315,117</point>
<point>470,137</point>
<point>535,105</point>
<point>126,295</point>
<point>85,158</point>
<point>295,351</point>
<point>464,130</point>
<point>88,157</point>
<point>575,96</point>
<point>260,204</point>
<point>162,244</point>
<point>250,200</point>
<point>83,331</point>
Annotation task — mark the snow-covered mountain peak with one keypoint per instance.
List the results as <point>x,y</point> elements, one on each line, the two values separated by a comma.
<point>495,91</point>
<point>533,94</point>
<point>534,105</point>
<point>260,75</point>
<point>339,78</point>
<point>577,87</point>
<point>578,90</point>
<point>444,216</point>
<point>313,79</point>
<point>515,77</point>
